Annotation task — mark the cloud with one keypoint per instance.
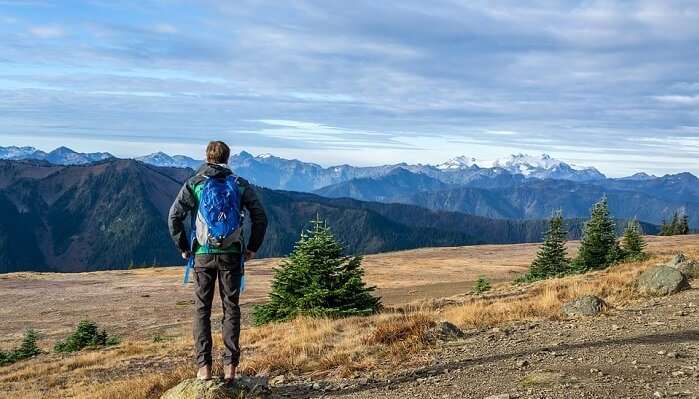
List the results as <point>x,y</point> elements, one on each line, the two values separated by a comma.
<point>373,81</point>
<point>679,99</point>
<point>47,31</point>
<point>165,28</point>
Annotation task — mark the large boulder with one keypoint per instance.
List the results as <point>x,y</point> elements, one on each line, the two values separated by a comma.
<point>243,388</point>
<point>588,305</point>
<point>686,266</point>
<point>661,280</point>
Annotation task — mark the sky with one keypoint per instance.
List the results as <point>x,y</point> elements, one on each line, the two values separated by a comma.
<point>611,84</point>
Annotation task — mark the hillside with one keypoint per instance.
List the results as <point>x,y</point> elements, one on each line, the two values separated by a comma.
<point>514,336</point>
<point>112,214</point>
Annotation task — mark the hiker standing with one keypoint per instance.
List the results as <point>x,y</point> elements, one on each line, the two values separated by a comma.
<point>215,199</point>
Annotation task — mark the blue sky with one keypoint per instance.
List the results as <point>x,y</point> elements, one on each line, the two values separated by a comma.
<point>613,84</point>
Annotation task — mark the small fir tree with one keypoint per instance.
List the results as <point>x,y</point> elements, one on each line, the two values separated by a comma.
<point>633,244</point>
<point>665,228</point>
<point>482,285</point>
<point>675,224</point>
<point>599,247</point>
<point>552,259</point>
<point>683,228</point>
<point>318,280</point>
<point>28,348</point>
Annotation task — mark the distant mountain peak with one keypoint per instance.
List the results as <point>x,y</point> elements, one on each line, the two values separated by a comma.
<point>546,167</point>
<point>460,162</point>
<point>245,155</point>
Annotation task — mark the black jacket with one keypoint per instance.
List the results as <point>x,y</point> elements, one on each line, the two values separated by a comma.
<point>186,204</point>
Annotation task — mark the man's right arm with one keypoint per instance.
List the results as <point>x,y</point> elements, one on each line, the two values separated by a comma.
<point>183,205</point>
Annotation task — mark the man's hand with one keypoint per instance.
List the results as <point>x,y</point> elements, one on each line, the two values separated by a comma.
<point>186,255</point>
<point>249,255</point>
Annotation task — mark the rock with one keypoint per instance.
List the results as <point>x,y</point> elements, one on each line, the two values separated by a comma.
<point>522,363</point>
<point>588,305</point>
<point>243,388</point>
<point>685,266</point>
<point>500,396</point>
<point>444,331</point>
<point>278,380</point>
<point>661,280</point>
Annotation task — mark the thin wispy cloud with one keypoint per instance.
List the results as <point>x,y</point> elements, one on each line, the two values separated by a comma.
<point>613,84</point>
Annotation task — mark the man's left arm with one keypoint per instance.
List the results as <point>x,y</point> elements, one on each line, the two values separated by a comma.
<point>258,217</point>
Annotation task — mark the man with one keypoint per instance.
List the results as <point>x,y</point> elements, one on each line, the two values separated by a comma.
<point>212,262</point>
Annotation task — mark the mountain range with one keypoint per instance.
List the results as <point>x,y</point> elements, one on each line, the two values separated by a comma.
<point>519,187</point>
<point>279,173</point>
<point>112,213</point>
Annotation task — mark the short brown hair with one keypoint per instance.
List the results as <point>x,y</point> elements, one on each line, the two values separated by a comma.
<point>217,152</point>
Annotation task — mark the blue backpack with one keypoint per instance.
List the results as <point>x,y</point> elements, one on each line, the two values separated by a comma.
<point>219,220</point>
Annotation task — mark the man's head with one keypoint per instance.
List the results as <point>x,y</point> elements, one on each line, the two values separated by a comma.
<point>217,152</point>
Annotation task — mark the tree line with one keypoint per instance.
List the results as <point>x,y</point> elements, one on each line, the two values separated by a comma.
<point>598,250</point>
<point>679,225</point>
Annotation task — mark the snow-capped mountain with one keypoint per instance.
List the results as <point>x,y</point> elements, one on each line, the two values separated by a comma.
<point>545,167</point>
<point>640,176</point>
<point>461,162</point>
<point>66,156</point>
<point>59,156</point>
<point>17,153</point>
<point>174,161</point>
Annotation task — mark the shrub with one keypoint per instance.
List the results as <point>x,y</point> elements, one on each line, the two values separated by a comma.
<point>86,335</point>
<point>482,285</point>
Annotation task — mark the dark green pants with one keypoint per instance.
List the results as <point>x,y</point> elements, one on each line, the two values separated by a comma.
<point>227,269</point>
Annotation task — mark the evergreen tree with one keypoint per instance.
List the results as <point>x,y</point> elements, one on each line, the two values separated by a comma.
<point>482,285</point>
<point>665,228</point>
<point>318,280</point>
<point>599,247</point>
<point>552,259</point>
<point>633,244</point>
<point>683,225</point>
<point>675,224</point>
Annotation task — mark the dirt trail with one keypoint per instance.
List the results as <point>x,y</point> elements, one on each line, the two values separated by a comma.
<point>647,350</point>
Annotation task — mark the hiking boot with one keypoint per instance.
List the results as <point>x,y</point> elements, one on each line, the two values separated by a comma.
<point>204,373</point>
<point>228,373</point>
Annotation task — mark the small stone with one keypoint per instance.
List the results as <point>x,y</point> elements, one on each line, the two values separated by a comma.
<point>673,355</point>
<point>615,327</point>
<point>678,374</point>
<point>278,380</point>
<point>522,363</point>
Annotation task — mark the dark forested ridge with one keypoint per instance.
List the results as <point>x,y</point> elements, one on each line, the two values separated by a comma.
<point>651,199</point>
<point>112,214</point>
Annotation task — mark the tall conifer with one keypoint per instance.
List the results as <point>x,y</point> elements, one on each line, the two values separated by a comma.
<point>552,259</point>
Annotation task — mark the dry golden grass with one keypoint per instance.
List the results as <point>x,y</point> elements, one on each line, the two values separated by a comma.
<point>321,347</point>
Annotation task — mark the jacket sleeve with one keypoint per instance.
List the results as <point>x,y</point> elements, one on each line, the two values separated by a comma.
<point>183,205</point>
<point>258,218</point>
